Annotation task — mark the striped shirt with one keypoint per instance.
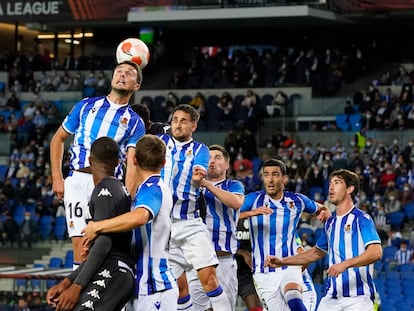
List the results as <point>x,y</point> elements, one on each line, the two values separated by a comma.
<point>345,237</point>
<point>275,234</point>
<point>95,117</point>
<point>221,220</point>
<point>403,256</point>
<point>181,159</point>
<point>151,240</point>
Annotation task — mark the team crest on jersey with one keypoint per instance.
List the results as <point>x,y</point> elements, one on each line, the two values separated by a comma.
<point>71,224</point>
<point>290,203</point>
<point>189,153</point>
<point>124,120</point>
<point>347,228</point>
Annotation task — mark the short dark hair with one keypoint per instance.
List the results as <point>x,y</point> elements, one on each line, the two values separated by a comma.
<point>144,112</point>
<point>150,152</point>
<point>194,115</point>
<point>105,150</point>
<point>350,178</point>
<point>278,163</point>
<point>222,150</point>
<point>135,65</point>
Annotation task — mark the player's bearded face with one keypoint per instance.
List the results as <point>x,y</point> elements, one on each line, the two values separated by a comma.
<point>273,181</point>
<point>124,80</point>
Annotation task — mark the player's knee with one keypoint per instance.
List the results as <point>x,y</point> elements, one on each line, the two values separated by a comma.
<point>208,278</point>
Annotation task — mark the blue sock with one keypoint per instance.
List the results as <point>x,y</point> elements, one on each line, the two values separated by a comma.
<point>185,303</point>
<point>293,298</point>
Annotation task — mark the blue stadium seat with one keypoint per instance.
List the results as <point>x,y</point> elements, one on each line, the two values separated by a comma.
<point>409,210</point>
<point>59,229</point>
<point>341,121</point>
<point>3,172</point>
<point>396,219</point>
<point>408,267</point>
<point>185,99</point>
<point>68,262</point>
<point>388,253</point>
<point>19,213</point>
<point>45,223</point>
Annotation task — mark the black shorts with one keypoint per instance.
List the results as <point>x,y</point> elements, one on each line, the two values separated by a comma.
<point>110,289</point>
<point>245,278</point>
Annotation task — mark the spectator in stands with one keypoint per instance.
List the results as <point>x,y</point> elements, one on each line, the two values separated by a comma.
<point>29,230</point>
<point>279,103</point>
<point>403,255</point>
<point>13,102</point>
<point>102,84</point>
<point>198,102</point>
<point>391,201</point>
<point>10,230</point>
<point>407,195</point>
<point>225,104</point>
<point>402,76</point>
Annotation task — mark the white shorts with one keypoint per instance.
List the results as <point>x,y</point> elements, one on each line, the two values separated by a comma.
<point>227,275</point>
<point>346,304</point>
<point>162,301</point>
<point>190,247</point>
<point>310,300</point>
<point>269,286</point>
<point>78,190</point>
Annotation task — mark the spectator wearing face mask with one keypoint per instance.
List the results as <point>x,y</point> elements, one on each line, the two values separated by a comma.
<point>392,204</point>
<point>403,255</point>
<point>407,195</point>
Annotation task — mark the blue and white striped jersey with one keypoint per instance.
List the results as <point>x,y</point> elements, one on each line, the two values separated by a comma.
<point>181,159</point>
<point>95,117</point>
<point>275,234</point>
<point>221,220</point>
<point>151,240</point>
<point>346,237</point>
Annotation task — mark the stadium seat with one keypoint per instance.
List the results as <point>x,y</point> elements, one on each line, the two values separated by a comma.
<point>409,210</point>
<point>314,190</point>
<point>185,99</point>
<point>59,229</point>
<point>388,253</point>
<point>3,172</point>
<point>68,262</point>
<point>341,121</point>
<point>396,219</point>
<point>36,284</point>
<point>19,212</point>
<point>45,222</point>
<point>408,267</point>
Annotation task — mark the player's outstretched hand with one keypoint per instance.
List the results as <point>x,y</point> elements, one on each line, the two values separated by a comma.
<point>273,262</point>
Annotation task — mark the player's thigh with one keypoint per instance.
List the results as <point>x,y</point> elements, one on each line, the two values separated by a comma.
<point>268,289</point>
<point>357,303</point>
<point>162,301</point>
<point>244,278</point>
<point>109,289</point>
<point>199,251</point>
<point>78,190</point>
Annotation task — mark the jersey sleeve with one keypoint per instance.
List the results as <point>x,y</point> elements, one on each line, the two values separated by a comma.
<point>248,202</point>
<point>322,242</point>
<point>310,205</point>
<point>137,132</point>
<point>236,187</point>
<point>150,198</point>
<point>202,157</point>
<point>368,231</point>
<point>72,120</point>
